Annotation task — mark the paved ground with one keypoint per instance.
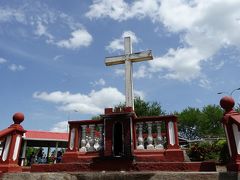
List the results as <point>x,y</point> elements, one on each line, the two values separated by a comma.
<point>123,176</point>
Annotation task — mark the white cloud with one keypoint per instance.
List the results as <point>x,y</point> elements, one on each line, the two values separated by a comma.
<point>41,30</point>
<point>141,72</point>
<point>15,67</point>
<point>117,10</point>
<point>60,127</point>
<point>100,82</point>
<point>2,60</point>
<point>220,65</point>
<point>205,27</point>
<point>47,22</point>
<point>205,83</point>
<point>118,44</point>
<point>79,38</point>
<point>57,57</point>
<point>92,103</point>
<point>120,10</point>
<point>181,64</point>
<point>140,94</point>
<point>9,14</point>
<point>119,72</point>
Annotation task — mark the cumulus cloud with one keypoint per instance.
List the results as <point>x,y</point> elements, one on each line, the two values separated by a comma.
<point>60,127</point>
<point>140,94</point>
<point>2,60</point>
<point>205,83</point>
<point>100,82</point>
<point>15,67</point>
<point>204,27</point>
<point>92,103</point>
<point>41,30</point>
<point>79,38</point>
<point>120,10</point>
<point>141,72</point>
<point>118,43</point>
<point>8,14</point>
<point>108,8</point>
<point>46,23</point>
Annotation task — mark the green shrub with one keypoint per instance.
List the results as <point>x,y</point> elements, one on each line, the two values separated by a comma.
<point>203,151</point>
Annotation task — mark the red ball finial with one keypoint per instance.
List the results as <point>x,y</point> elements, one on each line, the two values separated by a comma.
<point>18,118</point>
<point>227,103</point>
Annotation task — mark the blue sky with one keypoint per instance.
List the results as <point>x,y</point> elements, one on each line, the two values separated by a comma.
<point>52,56</point>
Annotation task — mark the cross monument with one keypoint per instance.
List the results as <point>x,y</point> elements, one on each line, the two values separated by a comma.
<point>128,58</point>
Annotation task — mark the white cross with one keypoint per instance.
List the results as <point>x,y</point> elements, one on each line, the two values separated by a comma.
<point>128,58</point>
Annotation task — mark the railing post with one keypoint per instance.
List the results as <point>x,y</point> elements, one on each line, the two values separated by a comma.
<point>13,139</point>
<point>101,136</point>
<point>172,135</point>
<point>150,138</point>
<point>140,136</point>
<point>73,138</point>
<point>92,136</point>
<point>159,140</point>
<point>83,139</point>
<point>231,126</point>
<point>23,157</point>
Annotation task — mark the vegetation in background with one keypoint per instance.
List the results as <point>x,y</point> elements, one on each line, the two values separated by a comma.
<point>204,151</point>
<point>195,123</point>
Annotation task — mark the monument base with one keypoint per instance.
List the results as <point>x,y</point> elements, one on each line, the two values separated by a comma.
<point>233,166</point>
<point>124,164</point>
<point>10,168</point>
<point>169,155</point>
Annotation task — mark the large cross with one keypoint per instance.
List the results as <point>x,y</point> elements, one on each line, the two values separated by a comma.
<point>128,58</point>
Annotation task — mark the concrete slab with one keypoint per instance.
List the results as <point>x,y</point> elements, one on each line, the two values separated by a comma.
<point>122,175</point>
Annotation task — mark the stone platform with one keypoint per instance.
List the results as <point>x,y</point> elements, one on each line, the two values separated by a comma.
<point>122,175</point>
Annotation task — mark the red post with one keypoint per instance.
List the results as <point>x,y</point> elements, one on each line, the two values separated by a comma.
<point>231,125</point>
<point>173,151</point>
<point>172,134</point>
<point>73,144</point>
<point>12,144</point>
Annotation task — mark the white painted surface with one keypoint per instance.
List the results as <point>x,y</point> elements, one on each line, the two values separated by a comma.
<point>236,134</point>
<point>16,147</point>
<point>229,147</point>
<point>72,138</point>
<point>128,72</point>
<point>128,58</point>
<point>171,133</point>
<point>6,148</point>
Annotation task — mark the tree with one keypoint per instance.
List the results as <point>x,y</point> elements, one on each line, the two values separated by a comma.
<point>188,125</point>
<point>211,121</point>
<point>143,108</point>
<point>195,123</point>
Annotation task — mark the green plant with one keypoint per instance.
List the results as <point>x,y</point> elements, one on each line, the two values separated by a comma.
<point>202,151</point>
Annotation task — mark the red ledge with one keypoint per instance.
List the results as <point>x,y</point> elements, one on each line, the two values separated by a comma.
<point>126,166</point>
<point>10,168</point>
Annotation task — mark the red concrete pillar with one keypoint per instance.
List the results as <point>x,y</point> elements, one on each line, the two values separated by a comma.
<point>173,152</point>
<point>134,140</point>
<point>231,125</point>
<point>73,141</point>
<point>13,139</point>
<point>172,133</point>
<point>72,151</point>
